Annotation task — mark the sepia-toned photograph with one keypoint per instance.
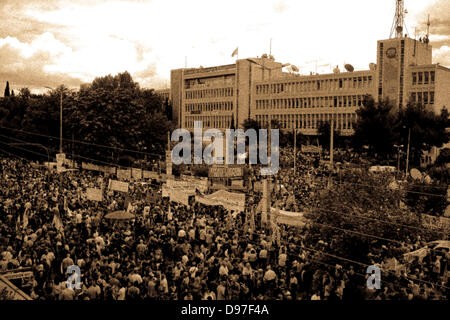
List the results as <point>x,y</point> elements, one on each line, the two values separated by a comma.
<point>245,153</point>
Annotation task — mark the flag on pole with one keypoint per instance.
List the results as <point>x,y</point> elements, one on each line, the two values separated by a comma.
<point>235,52</point>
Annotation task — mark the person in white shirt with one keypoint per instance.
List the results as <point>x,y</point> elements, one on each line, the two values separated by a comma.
<point>315,296</point>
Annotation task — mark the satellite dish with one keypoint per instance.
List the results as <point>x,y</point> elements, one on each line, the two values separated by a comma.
<point>372,66</point>
<point>415,174</point>
<point>349,67</point>
<point>264,55</point>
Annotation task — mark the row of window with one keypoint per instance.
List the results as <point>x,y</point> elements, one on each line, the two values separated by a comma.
<point>423,97</point>
<point>342,121</point>
<point>210,106</point>
<point>315,85</point>
<point>209,93</point>
<point>425,77</point>
<point>310,102</point>
<point>219,122</point>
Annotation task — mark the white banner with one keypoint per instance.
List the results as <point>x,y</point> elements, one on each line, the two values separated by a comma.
<point>179,197</point>
<point>180,185</point>
<point>136,173</point>
<point>123,174</point>
<point>287,217</point>
<point>94,194</point>
<point>199,183</point>
<point>229,200</point>
<point>118,185</point>
<point>150,174</point>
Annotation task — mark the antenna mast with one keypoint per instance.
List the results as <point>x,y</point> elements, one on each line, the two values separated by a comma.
<point>399,20</point>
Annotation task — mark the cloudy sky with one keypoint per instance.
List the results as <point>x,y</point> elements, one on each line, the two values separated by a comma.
<point>52,42</point>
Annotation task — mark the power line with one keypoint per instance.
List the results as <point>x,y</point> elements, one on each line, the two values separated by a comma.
<point>383,188</point>
<point>82,142</point>
<point>378,220</point>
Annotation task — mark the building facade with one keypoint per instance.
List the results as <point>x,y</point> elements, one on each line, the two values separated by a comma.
<point>223,97</point>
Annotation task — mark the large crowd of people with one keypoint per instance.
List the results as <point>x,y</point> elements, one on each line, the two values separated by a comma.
<point>173,251</point>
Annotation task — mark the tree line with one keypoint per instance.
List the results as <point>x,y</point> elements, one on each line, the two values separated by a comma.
<point>111,120</point>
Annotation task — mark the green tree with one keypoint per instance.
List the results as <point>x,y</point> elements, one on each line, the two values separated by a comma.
<point>426,129</point>
<point>7,93</point>
<point>251,124</point>
<point>115,112</point>
<point>427,198</point>
<point>350,216</point>
<point>376,128</point>
<point>444,157</point>
<point>324,132</point>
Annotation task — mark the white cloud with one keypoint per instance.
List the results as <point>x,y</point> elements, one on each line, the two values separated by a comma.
<point>149,38</point>
<point>442,55</point>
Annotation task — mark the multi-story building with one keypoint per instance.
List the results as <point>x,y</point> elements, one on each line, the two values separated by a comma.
<point>257,88</point>
<point>219,96</point>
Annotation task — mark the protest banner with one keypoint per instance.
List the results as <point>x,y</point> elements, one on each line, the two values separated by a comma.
<point>229,200</point>
<point>179,197</point>
<point>237,183</point>
<point>289,218</point>
<point>118,185</point>
<point>94,194</point>
<point>197,182</point>
<point>225,172</point>
<point>181,185</point>
<point>124,174</point>
<point>146,174</point>
<point>90,166</point>
<point>136,173</point>
<point>107,169</point>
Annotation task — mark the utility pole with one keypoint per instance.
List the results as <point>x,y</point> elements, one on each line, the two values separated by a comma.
<point>60,121</point>
<point>407,151</point>
<point>295,151</point>
<point>331,140</point>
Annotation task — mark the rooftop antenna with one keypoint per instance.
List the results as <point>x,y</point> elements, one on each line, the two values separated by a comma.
<point>270,48</point>
<point>427,39</point>
<point>399,20</point>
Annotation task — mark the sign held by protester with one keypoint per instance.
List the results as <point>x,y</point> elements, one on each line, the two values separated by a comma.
<point>225,172</point>
<point>94,194</point>
<point>118,185</point>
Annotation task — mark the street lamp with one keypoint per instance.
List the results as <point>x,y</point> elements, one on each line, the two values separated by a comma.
<point>60,118</point>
